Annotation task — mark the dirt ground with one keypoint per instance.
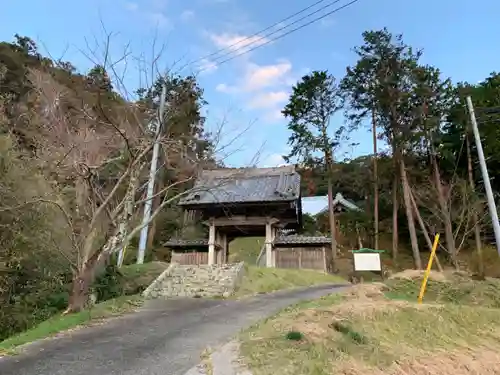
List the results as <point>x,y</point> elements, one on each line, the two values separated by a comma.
<point>364,332</point>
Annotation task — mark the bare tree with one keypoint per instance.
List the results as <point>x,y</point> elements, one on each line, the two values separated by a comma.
<point>461,213</point>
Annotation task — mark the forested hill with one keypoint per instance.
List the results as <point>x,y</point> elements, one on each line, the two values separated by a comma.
<point>74,160</point>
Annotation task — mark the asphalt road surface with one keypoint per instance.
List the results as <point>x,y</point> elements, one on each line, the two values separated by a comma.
<point>165,338</point>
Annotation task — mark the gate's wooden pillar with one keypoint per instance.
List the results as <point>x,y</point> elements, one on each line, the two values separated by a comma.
<point>211,243</point>
<point>269,244</point>
<point>223,248</point>
<point>274,231</point>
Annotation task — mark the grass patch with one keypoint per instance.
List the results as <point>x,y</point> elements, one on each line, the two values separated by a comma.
<point>259,280</point>
<point>60,323</point>
<point>137,277</point>
<point>364,332</point>
<point>456,290</point>
<point>245,249</point>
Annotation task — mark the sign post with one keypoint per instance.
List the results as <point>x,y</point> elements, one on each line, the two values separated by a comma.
<point>428,270</point>
<point>368,260</point>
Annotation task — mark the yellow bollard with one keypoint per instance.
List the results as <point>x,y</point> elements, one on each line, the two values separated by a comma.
<point>428,270</point>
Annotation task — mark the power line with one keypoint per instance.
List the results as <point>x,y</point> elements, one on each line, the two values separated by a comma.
<point>265,36</point>
<point>284,34</point>
<point>259,32</point>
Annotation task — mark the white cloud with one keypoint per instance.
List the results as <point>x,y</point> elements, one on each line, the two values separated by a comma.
<point>222,87</point>
<point>207,66</point>
<point>268,99</point>
<point>263,87</point>
<point>235,42</point>
<point>261,76</point>
<point>131,6</point>
<point>187,15</point>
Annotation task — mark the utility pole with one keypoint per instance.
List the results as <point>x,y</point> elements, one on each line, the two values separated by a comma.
<point>151,184</point>
<point>484,171</point>
<point>477,230</point>
<point>375,179</point>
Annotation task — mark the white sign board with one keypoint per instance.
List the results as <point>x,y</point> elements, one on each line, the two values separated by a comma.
<point>367,262</point>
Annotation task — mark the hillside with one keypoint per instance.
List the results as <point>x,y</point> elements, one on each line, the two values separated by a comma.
<point>73,154</point>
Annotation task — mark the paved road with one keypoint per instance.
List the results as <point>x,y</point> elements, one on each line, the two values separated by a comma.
<point>165,338</point>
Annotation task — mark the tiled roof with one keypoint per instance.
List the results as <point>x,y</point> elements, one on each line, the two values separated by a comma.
<point>242,185</point>
<point>339,199</point>
<point>174,242</point>
<point>302,240</point>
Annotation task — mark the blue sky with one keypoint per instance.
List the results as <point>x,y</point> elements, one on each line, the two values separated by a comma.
<point>460,37</point>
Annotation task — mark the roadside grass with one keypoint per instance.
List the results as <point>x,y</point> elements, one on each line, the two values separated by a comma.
<point>258,280</point>
<point>136,278</point>
<point>364,331</point>
<point>60,323</point>
<point>455,289</point>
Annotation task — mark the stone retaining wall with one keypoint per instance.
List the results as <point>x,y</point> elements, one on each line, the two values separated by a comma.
<point>196,281</point>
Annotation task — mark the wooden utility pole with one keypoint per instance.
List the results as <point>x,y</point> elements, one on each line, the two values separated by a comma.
<point>375,180</point>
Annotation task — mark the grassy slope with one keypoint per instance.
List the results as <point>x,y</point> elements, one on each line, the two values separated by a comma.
<point>367,332</point>
<point>245,249</point>
<point>137,278</point>
<point>265,280</point>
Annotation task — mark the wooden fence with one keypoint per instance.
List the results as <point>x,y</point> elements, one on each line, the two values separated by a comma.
<point>302,257</point>
<point>189,258</point>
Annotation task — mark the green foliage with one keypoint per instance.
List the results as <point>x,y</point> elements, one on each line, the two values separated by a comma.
<point>309,225</point>
<point>294,336</point>
<point>109,284</point>
<point>98,77</point>
<point>313,102</point>
<point>33,261</point>
<point>349,332</point>
<point>381,81</point>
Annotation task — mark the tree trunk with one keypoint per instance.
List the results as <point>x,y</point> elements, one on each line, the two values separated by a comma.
<point>79,292</point>
<point>395,208</point>
<point>82,281</point>
<point>84,276</point>
<point>375,182</point>
<point>477,230</point>
<point>128,211</point>
<point>409,215</point>
<point>445,212</point>
<point>424,230</point>
<point>333,226</point>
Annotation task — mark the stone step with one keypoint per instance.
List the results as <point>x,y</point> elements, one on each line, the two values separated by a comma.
<point>197,281</point>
